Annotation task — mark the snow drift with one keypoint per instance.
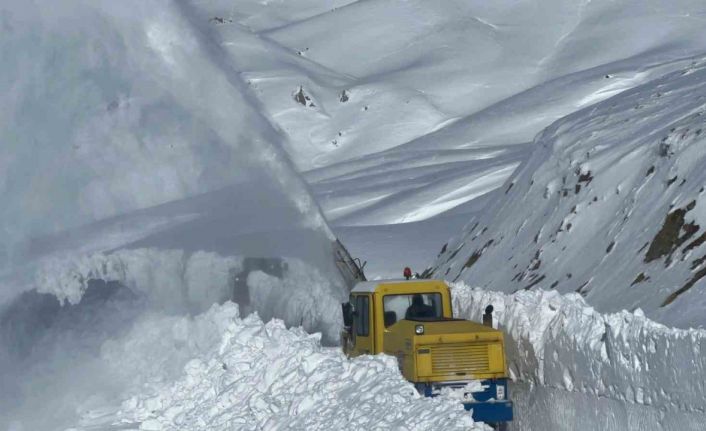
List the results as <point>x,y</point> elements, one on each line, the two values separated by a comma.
<point>245,374</point>
<point>610,205</point>
<point>576,368</point>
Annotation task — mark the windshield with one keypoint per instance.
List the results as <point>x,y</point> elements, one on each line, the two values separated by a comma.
<point>411,307</point>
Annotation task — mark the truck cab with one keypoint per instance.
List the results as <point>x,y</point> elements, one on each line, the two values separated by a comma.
<point>413,321</point>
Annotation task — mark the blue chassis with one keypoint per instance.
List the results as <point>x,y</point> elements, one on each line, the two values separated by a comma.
<point>484,409</point>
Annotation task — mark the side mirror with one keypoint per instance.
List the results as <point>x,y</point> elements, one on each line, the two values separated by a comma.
<point>347,309</point>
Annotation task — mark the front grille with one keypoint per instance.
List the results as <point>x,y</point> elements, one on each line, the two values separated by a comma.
<point>459,359</point>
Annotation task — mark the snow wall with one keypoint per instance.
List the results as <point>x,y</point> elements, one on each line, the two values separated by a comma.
<point>575,368</point>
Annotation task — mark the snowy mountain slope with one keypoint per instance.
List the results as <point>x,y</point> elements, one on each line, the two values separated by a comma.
<point>608,206</point>
<point>393,109</point>
<point>245,374</point>
<point>575,368</point>
<point>386,103</point>
<point>467,56</point>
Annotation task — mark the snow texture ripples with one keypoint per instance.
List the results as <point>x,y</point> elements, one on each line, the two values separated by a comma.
<point>249,375</point>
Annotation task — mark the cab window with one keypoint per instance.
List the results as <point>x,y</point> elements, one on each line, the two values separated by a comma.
<point>411,306</point>
<point>361,320</point>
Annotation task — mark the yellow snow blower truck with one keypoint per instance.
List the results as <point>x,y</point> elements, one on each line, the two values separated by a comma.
<point>413,321</point>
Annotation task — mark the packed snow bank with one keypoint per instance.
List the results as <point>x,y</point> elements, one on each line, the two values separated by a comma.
<point>249,375</point>
<point>177,281</point>
<point>609,205</point>
<point>600,371</point>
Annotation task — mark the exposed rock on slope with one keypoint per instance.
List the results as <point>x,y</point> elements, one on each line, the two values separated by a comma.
<point>609,205</point>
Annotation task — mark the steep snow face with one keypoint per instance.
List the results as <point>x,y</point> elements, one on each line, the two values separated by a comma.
<point>569,362</point>
<point>244,374</point>
<point>609,205</point>
<point>112,108</point>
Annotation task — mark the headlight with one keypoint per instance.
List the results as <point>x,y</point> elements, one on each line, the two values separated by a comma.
<point>419,329</point>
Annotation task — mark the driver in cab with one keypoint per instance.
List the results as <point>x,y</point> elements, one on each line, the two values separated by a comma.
<point>419,309</point>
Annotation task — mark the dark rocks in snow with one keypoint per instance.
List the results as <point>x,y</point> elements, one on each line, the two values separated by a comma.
<point>477,254</point>
<point>535,264</point>
<point>472,259</point>
<point>664,148</point>
<point>696,243</point>
<point>300,97</point>
<point>581,290</point>
<point>427,273</point>
<point>670,236</point>
<point>688,285</point>
<point>610,247</point>
<point>220,20</point>
<point>698,262</point>
<point>585,178</point>
<point>639,279</point>
<point>535,282</point>
<point>344,97</point>
<point>453,255</point>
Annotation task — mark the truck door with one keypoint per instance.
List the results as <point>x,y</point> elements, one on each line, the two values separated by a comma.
<point>362,325</point>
